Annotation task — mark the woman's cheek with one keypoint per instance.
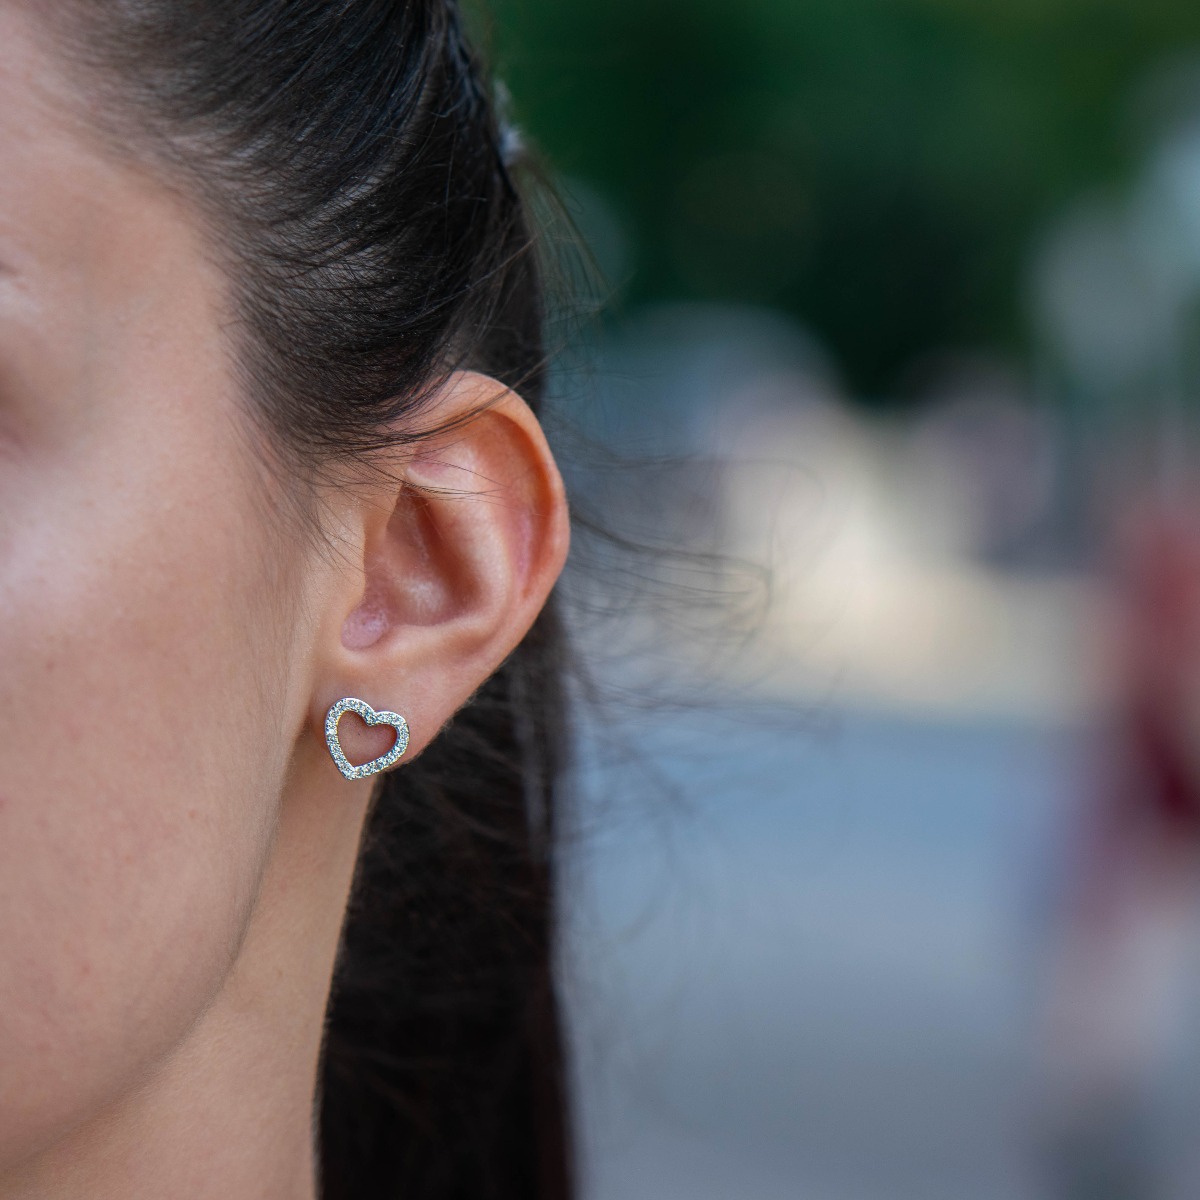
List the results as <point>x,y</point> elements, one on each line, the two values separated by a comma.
<point>129,848</point>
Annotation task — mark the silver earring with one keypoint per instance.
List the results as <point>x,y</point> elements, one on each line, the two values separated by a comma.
<point>368,714</point>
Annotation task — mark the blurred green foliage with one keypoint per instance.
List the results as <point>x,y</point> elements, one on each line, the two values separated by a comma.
<point>876,167</point>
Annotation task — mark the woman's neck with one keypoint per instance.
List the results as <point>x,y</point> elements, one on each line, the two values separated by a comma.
<point>227,1114</point>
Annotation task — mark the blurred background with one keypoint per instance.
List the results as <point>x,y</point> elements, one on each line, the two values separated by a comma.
<point>885,877</point>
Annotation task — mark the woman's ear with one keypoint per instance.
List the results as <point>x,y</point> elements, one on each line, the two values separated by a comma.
<point>448,555</point>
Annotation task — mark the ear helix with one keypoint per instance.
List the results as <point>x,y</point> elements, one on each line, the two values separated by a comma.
<point>368,714</point>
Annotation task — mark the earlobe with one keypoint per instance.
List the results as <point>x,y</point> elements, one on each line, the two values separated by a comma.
<point>455,556</point>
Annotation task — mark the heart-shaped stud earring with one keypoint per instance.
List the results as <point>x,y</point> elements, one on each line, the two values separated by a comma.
<point>368,714</point>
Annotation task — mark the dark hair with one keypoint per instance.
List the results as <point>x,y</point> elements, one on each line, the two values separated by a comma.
<point>347,156</point>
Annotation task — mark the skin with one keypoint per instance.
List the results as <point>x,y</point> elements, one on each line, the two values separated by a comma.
<point>176,845</point>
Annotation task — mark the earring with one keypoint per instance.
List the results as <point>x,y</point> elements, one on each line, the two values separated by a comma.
<point>368,714</point>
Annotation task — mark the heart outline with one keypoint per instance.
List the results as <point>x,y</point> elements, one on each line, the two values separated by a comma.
<point>371,717</point>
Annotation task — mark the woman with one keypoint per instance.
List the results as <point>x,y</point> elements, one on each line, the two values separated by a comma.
<point>269,360</point>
